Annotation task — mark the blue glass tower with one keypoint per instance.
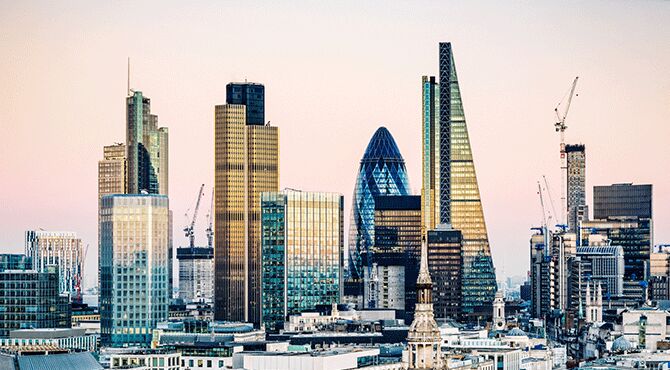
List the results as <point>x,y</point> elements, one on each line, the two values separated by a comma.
<point>382,172</point>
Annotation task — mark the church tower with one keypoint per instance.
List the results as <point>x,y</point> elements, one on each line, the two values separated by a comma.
<point>424,340</point>
<point>499,312</point>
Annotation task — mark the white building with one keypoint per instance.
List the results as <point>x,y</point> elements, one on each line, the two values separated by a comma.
<point>196,274</point>
<point>73,339</point>
<point>140,359</point>
<point>645,327</point>
<point>61,248</point>
<point>334,359</point>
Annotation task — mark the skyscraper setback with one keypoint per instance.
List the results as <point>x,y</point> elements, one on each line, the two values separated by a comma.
<point>147,148</point>
<point>246,159</point>
<point>450,192</point>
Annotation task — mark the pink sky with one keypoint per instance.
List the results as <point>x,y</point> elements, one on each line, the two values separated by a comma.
<point>333,74</point>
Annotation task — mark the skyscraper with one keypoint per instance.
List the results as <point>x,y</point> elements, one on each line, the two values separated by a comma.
<point>252,96</point>
<point>302,253</point>
<point>147,148</point>
<point>445,262</point>
<point>382,172</point>
<point>196,273</point>
<point>112,171</point>
<point>134,267</point>
<point>395,254</point>
<point>62,249</point>
<point>576,186</point>
<point>450,192</point>
<point>246,159</point>
<point>622,200</point>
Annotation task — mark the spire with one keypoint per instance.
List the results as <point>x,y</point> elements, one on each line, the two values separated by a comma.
<point>424,274</point>
<point>128,85</point>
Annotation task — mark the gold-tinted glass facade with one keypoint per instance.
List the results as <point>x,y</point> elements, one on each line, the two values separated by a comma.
<point>112,171</point>
<point>450,190</point>
<point>246,164</point>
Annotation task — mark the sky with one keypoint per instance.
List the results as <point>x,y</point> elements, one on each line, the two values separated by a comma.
<point>334,72</point>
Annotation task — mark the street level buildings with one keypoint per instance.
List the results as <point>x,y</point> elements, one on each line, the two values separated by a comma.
<point>246,159</point>
<point>450,192</point>
<point>302,253</point>
<point>60,248</point>
<point>134,267</point>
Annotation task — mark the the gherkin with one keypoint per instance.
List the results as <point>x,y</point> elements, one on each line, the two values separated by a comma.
<point>382,172</point>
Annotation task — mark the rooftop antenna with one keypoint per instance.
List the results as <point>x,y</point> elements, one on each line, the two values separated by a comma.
<point>128,76</point>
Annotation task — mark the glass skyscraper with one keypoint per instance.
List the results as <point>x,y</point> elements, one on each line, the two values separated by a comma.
<point>622,200</point>
<point>147,146</point>
<point>382,172</point>
<point>134,267</point>
<point>252,96</point>
<point>246,159</point>
<point>302,252</point>
<point>450,193</point>
<point>60,248</point>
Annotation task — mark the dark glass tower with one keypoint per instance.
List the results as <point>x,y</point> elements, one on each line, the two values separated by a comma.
<point>622,200</point>
<point>251,95</point>
<point>382,172</point>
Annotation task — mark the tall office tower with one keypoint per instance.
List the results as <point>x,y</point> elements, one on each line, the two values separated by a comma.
<point>30,299</point>
<point>302,253</point>
<point>633,234</point>
<point>382,172</point>
<point>60,248</point>
<point>147,148</point>
<point>576,186</point>
<point>395,253</point>
<point>622,200</point>
<point>450,192</point>
<point>252,96</point>
<point>196,274</point>
<point>112,171</point>
<point>445,261</point>
<point>246,157</point>
<point>424,341</point>
<point>134,267</point>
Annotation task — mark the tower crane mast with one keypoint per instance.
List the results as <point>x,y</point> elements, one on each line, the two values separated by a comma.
<point>560,128</point>
<point>189,229</point>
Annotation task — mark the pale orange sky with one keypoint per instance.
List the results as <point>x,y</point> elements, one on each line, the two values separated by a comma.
<point>333,74</point>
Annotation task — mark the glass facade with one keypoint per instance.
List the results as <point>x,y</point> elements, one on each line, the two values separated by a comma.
<point>30,299</point>
<point>450,190</point>
<point>196,273</point>
<point>382,172</point>
<point>622,200</point>
<point>147,148</point>
<point>134,268</point>
<point>445,261</point>
<point>396,253</point>
<point>112,171</point>
<point>302,253</point>
<point>246,160</point>
<point>252,96</point>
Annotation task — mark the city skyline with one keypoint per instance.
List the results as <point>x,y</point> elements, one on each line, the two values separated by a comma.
<point>508,113</point>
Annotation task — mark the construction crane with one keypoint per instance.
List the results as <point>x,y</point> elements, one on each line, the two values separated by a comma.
<point>188,230</point>
<point>210,220</point>
<point>560,128</point>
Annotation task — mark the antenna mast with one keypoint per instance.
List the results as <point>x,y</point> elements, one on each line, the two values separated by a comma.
<point>128,86</point>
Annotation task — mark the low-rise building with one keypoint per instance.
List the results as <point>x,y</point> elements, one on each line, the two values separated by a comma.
<point>342,358</point>
<point>71,339</point>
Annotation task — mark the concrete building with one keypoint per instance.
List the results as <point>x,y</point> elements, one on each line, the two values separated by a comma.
<point>343,358</point>
<point>140,358</point>
<point>302,252</point>
<point>134,267</point>
<point>246,158</point>
<point>196,274</point>
<point>576,186</point>
<point>71,339</point>
<point>45,358</point>
<point>59,248</point>
<point>645,327</point>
